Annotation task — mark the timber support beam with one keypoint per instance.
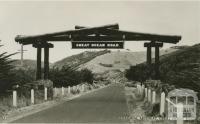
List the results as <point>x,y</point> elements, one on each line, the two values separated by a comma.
<point>39,47</point>
<point>157,45</point>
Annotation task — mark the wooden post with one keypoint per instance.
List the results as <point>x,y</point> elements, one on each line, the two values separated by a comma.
<point>14,98</point>
<point>146,94</point>
<point>157,62</point>
<point>83,87</point>
<point>69,90</point>
<point>32,96</point>
<point>148,45</point>
<point>138,88</point>
<point>149,95</point>
<point>142,90</point>
<point>162,103</point>
<point>46,62</point>
<point>156,45</point>
<point>63,91</point>
<point>46,47</point>
<point>45,93</point>
<point>39,70</point>
<point>148,55</point>
<point>55,91</point>
<point>153,97</point>
<point>22,55</point>
<point>179,113</point>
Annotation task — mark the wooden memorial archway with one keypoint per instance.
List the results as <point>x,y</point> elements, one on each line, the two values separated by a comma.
<point>104,33</point>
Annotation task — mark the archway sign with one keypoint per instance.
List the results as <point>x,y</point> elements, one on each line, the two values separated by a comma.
<point>107,36</point>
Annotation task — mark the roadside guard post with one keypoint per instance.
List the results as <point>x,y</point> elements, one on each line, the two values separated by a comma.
<point>14,98</point>
<point>45,93</point>
<point>32,96</point>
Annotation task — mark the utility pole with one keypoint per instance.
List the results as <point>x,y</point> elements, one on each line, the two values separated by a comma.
<point>0,44</point>
<point>22,52</point>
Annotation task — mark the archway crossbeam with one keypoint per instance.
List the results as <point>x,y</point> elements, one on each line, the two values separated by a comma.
<point>100,33</point>
<point>105,33</point>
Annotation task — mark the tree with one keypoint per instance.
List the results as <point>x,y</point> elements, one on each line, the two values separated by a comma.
<point>69,77</point>
<point>64,77</point>
<point>7,77</point>
<point>87,76</point>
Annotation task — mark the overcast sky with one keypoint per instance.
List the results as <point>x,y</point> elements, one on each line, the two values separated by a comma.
<point>29,18</point>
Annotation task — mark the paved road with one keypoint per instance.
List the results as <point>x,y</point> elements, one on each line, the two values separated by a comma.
<point>107,105</point>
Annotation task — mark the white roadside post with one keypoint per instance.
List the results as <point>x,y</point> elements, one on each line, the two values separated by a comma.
<point>83,88</point>
<point>179,113</point>
<point>45,93</point>
<point>149,95</point>
<point>73,88</point>
<point>143,90</point>
<point>162,103</point>
<point>138,88</point>
<point>63,91</point>
<point>14,98</point>
<point>154,97</point>
<point>69,90</point>
<point>76,88</point>
<point>32,96</point>
<point>146,93</point>
<point>55,92</point>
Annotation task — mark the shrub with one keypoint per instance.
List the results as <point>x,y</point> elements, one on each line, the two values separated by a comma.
<point>86,76</point>
<point>69,77</point>
<point>64,77</point>
<point>6,75</point>
<point>106,65</point>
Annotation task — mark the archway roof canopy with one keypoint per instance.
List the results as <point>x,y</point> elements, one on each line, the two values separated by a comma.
<point>101,33</point>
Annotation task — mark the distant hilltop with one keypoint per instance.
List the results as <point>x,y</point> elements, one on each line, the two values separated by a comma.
<point>180,47</point>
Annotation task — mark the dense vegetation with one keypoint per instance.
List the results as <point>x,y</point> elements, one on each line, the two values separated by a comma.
<point>12,73</point>
<point>69,77</point>
<point>10,76</point>
<point>6,74</point>
<point>180,68</point>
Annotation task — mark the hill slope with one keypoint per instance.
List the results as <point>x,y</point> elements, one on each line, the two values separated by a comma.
<point>119,60</point>
<point>76,60</point>
<point>27,63</point>
<point>180,68</point>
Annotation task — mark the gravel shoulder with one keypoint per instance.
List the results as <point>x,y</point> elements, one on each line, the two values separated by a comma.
<point>135,103</point>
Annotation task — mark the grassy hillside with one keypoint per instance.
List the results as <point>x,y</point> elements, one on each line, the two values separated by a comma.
<point>119,60</point>
<point>180,68</point>
<point>114,61</point>
<point>76,60</point>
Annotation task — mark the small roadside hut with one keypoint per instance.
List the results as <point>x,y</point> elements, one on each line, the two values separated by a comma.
<point>186,97</point>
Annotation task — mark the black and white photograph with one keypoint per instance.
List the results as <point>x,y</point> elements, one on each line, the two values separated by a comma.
<point>100,62</point>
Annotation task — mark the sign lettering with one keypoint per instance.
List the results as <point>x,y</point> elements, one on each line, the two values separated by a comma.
<point>97,45</point>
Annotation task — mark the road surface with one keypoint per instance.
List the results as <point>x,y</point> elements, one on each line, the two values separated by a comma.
<point>107,105</point>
